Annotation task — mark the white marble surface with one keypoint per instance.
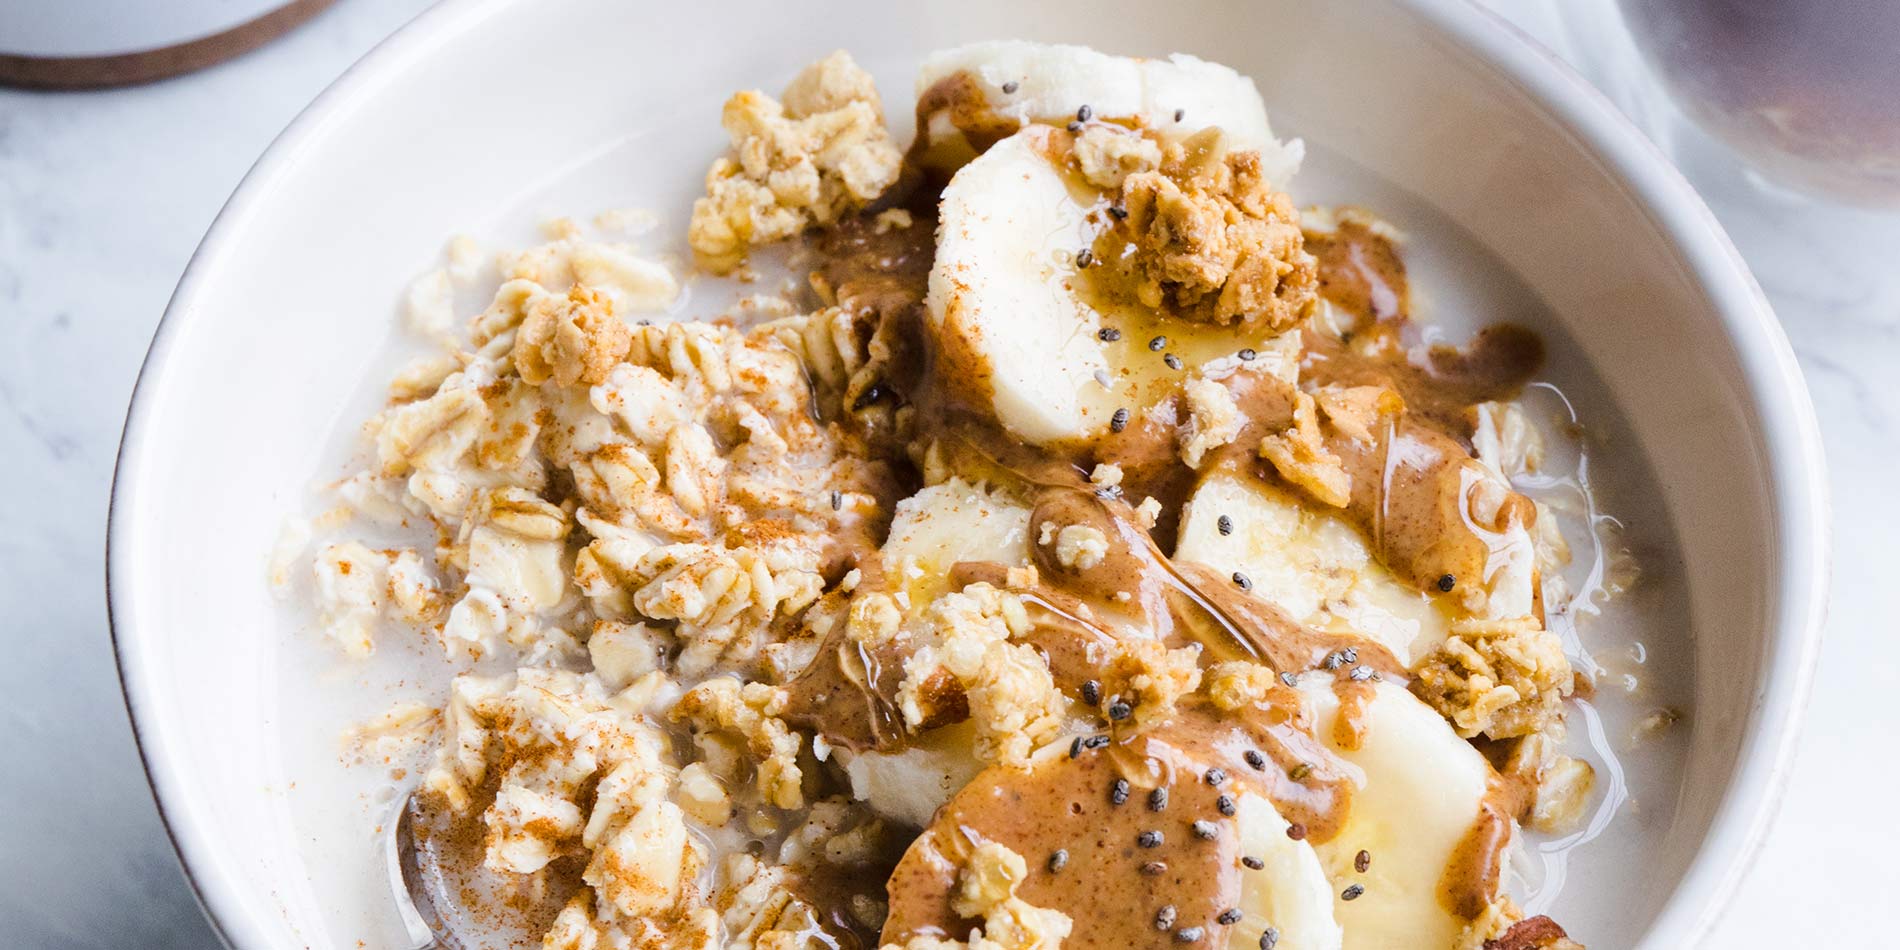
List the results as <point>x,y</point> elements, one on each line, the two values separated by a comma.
<point>103,196</point>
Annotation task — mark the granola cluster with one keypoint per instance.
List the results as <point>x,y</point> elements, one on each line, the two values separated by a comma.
<point>965,665</point>
<point>1213,420</point>
<point>565,767</point>
<point>986,891</point>
<point>1499,678</point>
<point>802,161</point>
<point>1299,453</point>
<point>1213,241</point>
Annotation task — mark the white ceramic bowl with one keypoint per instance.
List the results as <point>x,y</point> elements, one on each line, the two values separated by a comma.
<point>484,109</point>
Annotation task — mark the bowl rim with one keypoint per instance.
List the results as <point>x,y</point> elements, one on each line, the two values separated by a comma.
<point>1796,469</point>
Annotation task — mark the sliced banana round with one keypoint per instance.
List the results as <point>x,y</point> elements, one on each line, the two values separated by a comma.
<point>931,532</point>
<point>1316,566</point>
<point>1289,892</point>
<point>1423,789</point>
<point>1013,324</point>
<point>1018,223</point>
<point>912,784</point>
<point>948,523</point>
<point>1046,82</point>
<point>1308,561</point>
<point>1009,232</point>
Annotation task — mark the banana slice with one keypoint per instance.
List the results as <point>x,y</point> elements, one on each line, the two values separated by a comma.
<point>1316,566</point>
<point>1422,792</point>
<point>1009,230</point>
<point>1289,893</point>
<point>1043,82</point>
<point>911,785</point>
<point>1309,562</point>
<point>1003,301</point>
<point>1003,292</point>
<point>931,532</point>
<point>954,521</point>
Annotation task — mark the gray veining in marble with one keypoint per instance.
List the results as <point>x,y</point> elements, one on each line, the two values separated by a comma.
<point>104,195</point>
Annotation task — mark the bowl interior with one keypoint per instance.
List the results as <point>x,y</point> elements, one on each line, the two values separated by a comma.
<point>488,114</point>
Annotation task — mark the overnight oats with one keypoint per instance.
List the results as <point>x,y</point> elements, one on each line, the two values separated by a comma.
<point>1090,547</point>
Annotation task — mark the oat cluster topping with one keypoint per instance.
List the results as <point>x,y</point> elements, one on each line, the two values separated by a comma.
<point>1213,240</point>
<point>986,891</point>
<point>1499,678</point>
<point>817,154</point>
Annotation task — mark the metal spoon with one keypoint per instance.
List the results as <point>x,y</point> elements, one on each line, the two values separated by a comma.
<point>409,878</point>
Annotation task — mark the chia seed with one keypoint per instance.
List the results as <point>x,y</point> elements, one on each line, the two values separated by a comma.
<point>1230,916</point>
<point>1248,354</point>
<point>1214,776</point>
<point>1188,934</point>
<point>1118,792</point>
<point>1225,806</point>
<point>1296,831</point>
<point>1255,760</point>
<point>1224,525</point>
<point>1173,361</point>
<point>1084,114</point>
<point>1158,800</point>
<point>1352,893</point>
<point>1205,830</point>
<point>1252,863</point>
<point>1154,868</point>
<point>1118,421</point>
<point>1119,710</point>
<point>1108,334</point>
<point>1084,258</point>
<point>1362,861</point>
<point>1009,88</point>
<point>1149,839</point>
<point>1157,343</point>
<point>1164,918</point>
<point>1241,581</point>
<point>1447,582</point>
<point>1270,938</point>
<point>1092,692</point>
<point>1058,860</point>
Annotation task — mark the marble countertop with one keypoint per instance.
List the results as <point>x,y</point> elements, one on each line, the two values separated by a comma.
<point>104,195</point>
